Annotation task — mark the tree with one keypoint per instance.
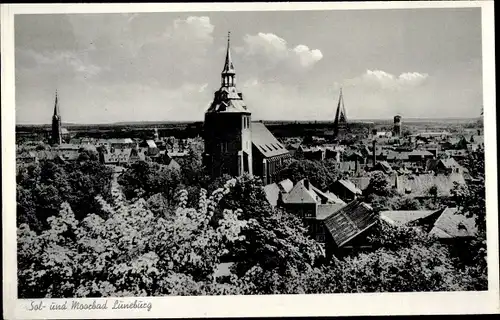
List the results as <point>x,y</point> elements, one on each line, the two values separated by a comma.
<point>130,253</point>
<point>411,269</point>
<point>379,185</point>
<point>144,179</point>
<point>193,172</point>
<point>407,203</point>
<point>319,174</point>
<point>43,187</point>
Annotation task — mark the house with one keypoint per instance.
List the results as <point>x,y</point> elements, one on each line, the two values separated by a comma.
<point>418,185</point>
<point>446,224</point>
<point>345,190</point>
<point>346,224</point>
<point>444,166</point>
<point>307,202</point>
<point>150,147</point>
<point>115,156</point>
<point>420,155</point>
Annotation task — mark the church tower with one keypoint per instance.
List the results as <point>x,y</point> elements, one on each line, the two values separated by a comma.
<point>56,136</point>
<point>340,123</point>
<point>227,127</point>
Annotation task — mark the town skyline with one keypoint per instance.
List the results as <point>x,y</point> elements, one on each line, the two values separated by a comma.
<point>106,75</point>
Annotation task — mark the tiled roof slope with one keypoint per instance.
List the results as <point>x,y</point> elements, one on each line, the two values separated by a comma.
<point>419,184</point>
<point>350,221</point>
<point>301,194</point>
<point>402,217</point>
<point>266,142</point>
<point>453,225</point>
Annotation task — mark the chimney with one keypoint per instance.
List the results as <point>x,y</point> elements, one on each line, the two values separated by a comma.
<point>356,165</point>
<point>306,184</point>
<point>374,154</point>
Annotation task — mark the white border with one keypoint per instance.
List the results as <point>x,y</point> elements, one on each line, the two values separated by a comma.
<point>249,306</point>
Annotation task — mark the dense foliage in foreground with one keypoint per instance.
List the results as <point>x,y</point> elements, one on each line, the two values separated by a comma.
<point>132,251</point>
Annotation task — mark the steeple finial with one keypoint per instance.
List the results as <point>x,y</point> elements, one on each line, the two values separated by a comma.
<point>56,106</point>
<point>228,73</point>
<point>228,64</point>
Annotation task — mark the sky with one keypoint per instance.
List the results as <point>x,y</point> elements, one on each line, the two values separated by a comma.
<point>290,65</point>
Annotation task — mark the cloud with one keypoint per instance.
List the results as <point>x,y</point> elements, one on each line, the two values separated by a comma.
<point>198,29</point>
<point>307,57</point>
<point>63,62</point>
<point>203,87</point>
<point>381,80</point>
<point>274,50</point>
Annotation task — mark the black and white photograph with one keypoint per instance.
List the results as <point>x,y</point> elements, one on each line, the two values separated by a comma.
<point>248,153</point>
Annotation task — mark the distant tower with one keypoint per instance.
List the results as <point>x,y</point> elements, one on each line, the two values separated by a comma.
<point>56,137</point>
<point>227,127</point>
<point>397,126</point>
<point>156,135</point>
<point>340,126</point>
<point>481,117</point>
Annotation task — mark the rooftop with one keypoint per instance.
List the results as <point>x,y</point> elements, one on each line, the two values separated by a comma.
<point>266,142</point>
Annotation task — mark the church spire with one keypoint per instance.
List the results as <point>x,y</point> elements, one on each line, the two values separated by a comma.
<point>56,136</point>
<point>340,122</point>
<point>228,73</point>
<point>56,108</point>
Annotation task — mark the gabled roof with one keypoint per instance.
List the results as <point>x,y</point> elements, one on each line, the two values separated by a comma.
<point>403,217</point>
<point>384,166</point>
<point>360,182</point>
<point>327,196</point>
<point>286,185</point>
<point>453,225</point>
<point>272,192</point>
<point>350,221</point>
<point>420,153</point>
<point>350,186</point>
<point>151,144</point>
<point>265,142</point>
<point>301,194</point>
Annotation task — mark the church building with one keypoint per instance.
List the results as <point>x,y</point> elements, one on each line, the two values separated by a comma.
<point>233,144</point>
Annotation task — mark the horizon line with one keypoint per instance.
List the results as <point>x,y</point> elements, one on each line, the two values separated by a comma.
<point>257,120</point>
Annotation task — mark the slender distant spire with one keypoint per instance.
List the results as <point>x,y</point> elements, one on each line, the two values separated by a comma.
<point>56,107</point>
<point>340,122</point>
<point>56,136</point>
